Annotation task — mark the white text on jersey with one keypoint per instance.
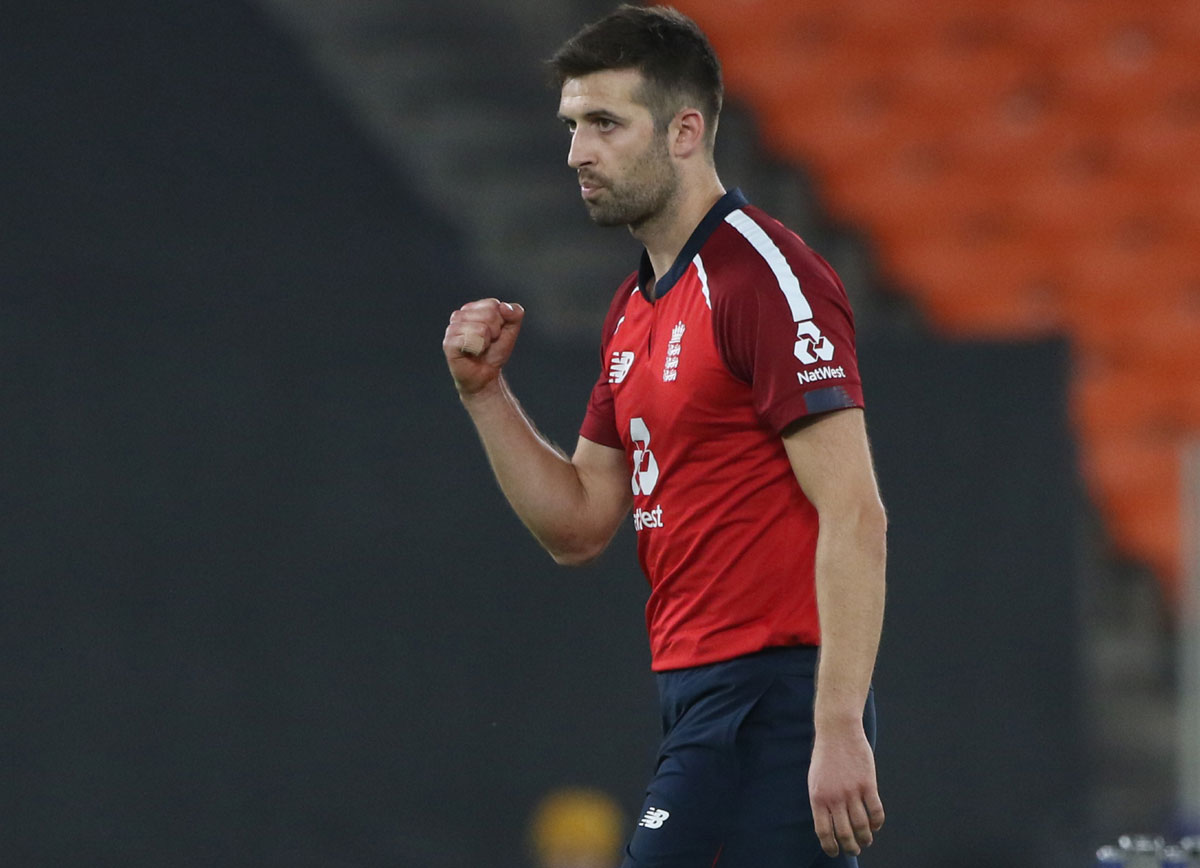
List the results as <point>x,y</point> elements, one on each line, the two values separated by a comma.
<point>647,519</point>
<point>825,372</point>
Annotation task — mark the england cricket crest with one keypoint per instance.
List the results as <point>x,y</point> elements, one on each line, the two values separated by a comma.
<point>674,348</point>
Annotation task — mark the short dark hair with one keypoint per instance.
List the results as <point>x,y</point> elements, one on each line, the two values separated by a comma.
<point>670,51</point>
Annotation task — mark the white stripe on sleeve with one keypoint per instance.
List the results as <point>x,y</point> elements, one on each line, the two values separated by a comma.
<point>766,248</point>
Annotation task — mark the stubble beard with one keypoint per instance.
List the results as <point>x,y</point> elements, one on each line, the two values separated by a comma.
<point>645,194</point>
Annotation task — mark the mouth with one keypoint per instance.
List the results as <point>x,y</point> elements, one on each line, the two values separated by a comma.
<point>589,187</point>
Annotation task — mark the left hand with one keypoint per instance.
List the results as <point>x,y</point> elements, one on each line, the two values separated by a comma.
<point>842,789</point>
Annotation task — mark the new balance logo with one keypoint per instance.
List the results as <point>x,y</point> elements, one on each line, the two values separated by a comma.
<point>823,373</point>
<point>654,818</point>
<point>618,367</point>
<point>812,346</point>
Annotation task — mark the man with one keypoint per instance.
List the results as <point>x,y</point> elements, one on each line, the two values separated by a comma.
<point>728,415</point>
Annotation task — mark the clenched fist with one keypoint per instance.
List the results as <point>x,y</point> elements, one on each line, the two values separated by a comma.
<point>479,340</point>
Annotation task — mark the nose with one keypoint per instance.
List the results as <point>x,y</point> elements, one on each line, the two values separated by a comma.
<point>580,153</point>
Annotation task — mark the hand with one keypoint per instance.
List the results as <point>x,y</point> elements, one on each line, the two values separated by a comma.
<point>842,790</point>
<point>479,340</point>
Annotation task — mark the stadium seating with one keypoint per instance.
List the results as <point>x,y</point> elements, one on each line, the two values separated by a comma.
<point>1024,168</point>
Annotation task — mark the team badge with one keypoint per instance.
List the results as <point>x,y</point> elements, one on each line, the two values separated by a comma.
<point>671,368</point>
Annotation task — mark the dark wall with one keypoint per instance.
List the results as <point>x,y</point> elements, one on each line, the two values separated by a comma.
<point>260,603</point>
<point>981,728</point>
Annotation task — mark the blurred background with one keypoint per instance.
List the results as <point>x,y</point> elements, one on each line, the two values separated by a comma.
<point>260,603</point>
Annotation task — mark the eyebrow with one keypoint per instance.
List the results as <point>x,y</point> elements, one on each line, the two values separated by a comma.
<point>595,114</point>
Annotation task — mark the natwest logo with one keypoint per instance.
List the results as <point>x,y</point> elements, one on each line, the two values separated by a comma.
<point>826,372</point>
<point>645,467</point>
<point>647,519</point>
<point>812,346</point>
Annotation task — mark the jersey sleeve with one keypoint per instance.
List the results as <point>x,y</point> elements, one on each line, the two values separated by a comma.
<point>783,325</point>
<point>600,420</point>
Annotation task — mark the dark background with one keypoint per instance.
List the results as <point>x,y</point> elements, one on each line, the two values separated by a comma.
<point>260,602</point>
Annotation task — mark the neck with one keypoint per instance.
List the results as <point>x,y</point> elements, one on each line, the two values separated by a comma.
<point>665,234</point>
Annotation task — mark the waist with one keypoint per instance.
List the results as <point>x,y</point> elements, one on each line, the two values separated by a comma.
<point>786,660</point>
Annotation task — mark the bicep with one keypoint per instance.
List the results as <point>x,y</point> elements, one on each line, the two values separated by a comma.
<point>831,459</point>
<point>604,473</point>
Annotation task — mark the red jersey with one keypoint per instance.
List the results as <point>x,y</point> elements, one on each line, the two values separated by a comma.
<point>749,331</point>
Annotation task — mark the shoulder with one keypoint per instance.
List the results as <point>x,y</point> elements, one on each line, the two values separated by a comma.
<point>753,254</point>
<point>616,308</point>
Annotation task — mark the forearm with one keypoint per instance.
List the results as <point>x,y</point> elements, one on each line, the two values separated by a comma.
<point>540,482</point>
<point>850,565</point>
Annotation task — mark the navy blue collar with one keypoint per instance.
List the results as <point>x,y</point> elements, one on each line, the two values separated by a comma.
<point>731,201</point>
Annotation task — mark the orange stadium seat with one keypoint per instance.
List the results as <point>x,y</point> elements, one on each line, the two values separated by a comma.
<point>1114,291</point>
<point>1185,392</point>
<point>1110,400</point>
<point>990,289</point>
<point>914,185</point>
<point>790,71</point>
<point>1159,142</point>
<point>1022,133</point>
<point>915,27</point>
<point>1184,201</point>
<point>850,127</point>
<point>1109,67</point>
<point>734,24</point>
<point>957,211</point>
<point>1084,206</point>
<point>955,79</point>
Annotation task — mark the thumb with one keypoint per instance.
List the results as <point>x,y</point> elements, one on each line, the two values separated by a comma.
<point>512,314</point>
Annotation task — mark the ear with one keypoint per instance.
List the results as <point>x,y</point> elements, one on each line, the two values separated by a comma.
<point>686,133</point>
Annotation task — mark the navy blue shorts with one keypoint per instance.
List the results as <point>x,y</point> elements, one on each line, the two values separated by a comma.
<point>731,787</point>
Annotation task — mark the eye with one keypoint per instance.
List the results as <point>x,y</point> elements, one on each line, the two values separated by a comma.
<point>605,124</point>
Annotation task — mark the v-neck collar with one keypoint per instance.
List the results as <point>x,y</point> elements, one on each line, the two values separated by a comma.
<point>731,201</point>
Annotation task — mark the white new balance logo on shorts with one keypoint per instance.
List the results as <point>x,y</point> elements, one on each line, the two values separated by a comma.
<point>654,818</point>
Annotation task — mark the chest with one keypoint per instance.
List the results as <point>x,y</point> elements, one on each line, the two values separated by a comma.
<point>664,365</point>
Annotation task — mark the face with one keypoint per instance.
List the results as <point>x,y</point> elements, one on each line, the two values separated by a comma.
<point>626,174</point>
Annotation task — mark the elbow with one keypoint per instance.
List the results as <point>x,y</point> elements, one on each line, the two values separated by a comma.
<point>877,518</point>
<point>577,554</point>
<point>580,542</point>
<point>872,520</point>
<point>576,549</point>
<point>874,528</point>
<point>573,558</point>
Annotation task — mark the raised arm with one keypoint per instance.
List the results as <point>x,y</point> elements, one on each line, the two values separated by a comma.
<point>832,462</point>
<point>573,506</point>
